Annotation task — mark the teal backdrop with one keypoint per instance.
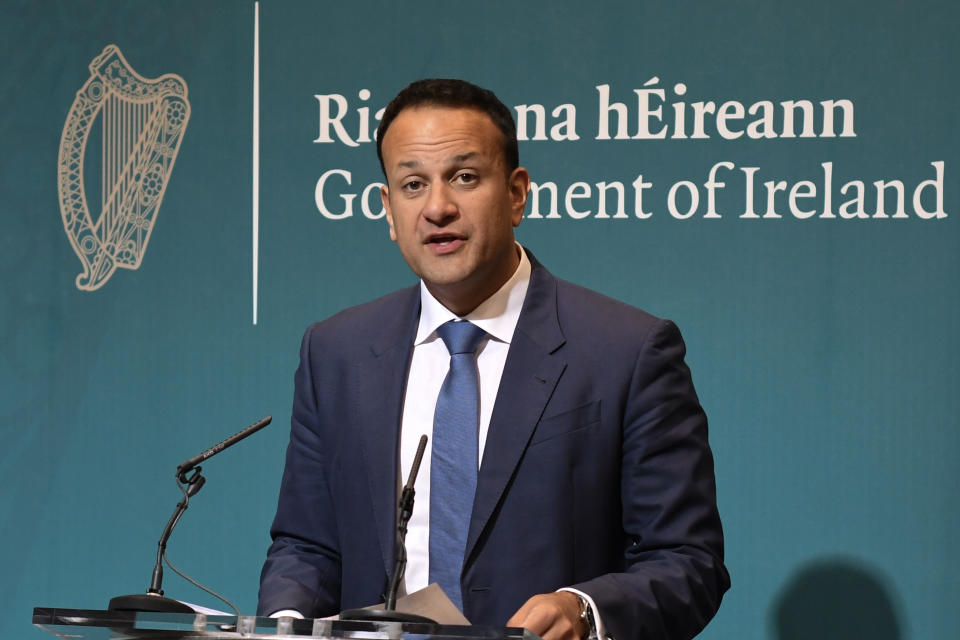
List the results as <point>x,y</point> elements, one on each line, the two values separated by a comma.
<point>824,347</point>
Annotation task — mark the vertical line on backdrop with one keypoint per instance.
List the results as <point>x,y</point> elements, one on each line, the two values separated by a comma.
<point>256,154</point>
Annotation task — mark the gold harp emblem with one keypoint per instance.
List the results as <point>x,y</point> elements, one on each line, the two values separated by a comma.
<point>141,127</point>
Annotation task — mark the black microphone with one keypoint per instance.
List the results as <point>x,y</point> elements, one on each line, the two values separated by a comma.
<point>186,466</point>
<point>406,510</point>
<point>389,613</point>
<point>153,599</point>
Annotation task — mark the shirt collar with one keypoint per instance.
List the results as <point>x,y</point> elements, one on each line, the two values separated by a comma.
<point>497,315</point>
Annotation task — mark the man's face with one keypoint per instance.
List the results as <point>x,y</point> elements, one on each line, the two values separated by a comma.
<point>450,202</point>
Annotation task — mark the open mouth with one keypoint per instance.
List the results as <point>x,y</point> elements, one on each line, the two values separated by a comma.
<point>444,242</point>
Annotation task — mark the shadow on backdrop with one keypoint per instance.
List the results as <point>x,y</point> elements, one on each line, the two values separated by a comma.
<point>836,599</point>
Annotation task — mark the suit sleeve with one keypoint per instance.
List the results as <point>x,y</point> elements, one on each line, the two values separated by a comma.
<point>302,569</point>
<point>674,574</point>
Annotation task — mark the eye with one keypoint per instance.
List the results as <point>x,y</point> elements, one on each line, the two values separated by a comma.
<point>412,186</point>
<point>466,178</point>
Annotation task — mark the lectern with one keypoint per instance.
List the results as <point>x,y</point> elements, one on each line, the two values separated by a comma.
<point>88,624</point>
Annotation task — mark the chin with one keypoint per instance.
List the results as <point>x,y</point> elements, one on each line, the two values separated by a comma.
<point>445,271</point>
<point>443,279</point>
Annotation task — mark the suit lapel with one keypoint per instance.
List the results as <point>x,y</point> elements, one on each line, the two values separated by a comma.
<point>530,376</point>
<point>378,403</point>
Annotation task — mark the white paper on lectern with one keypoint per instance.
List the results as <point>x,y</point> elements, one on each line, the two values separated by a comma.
<point>430,602</point>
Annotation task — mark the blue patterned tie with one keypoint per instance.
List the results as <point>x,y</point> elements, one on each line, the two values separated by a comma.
<point>453,466</point>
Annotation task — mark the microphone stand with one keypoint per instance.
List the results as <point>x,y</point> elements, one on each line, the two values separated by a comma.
<point>406,510</point>
<point>153,600</point>
<point>389,612</point>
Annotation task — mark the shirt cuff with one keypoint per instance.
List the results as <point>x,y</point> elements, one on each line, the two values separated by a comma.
<point>599,629</point>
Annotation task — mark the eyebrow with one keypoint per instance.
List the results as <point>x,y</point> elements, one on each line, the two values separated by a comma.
<point>457,159</point>
<point>463,157</point>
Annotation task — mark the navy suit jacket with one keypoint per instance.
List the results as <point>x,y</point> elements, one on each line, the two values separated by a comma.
<point>596,472</point>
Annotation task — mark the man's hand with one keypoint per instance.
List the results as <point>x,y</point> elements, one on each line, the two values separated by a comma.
<point>552,616</point>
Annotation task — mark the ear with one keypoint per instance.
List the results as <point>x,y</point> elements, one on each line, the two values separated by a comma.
<point>518,186</point>
<point>385,199</point>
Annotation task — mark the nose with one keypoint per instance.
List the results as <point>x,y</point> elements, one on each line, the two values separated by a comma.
<point>439,207</point>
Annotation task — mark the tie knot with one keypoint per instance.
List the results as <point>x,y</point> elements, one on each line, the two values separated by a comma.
<point>460,337</point>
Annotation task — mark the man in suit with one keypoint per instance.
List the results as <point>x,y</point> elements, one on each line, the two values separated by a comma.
<point>594,508</point>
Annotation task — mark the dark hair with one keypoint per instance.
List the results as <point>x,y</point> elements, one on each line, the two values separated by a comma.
<point>450,92</point>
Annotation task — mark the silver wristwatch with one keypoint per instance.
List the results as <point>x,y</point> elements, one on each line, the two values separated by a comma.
<point>586,615</point>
